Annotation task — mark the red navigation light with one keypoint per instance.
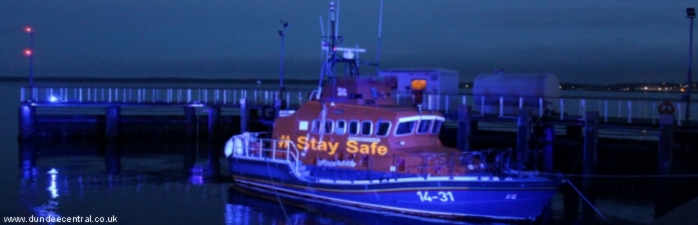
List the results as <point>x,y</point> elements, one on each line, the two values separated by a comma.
<point>28,52</point>
<point>29,30</point>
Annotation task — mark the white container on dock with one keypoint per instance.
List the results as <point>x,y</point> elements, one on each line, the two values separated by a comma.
<point>514,90</point>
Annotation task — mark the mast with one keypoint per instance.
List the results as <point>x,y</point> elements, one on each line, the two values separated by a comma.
<point>333,54</point>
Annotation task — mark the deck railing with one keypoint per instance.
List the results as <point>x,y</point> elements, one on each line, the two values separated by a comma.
<point>222,96</point>
<point>628,109</point>
<point>263,149</point>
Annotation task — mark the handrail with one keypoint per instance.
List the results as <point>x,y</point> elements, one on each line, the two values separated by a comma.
<point>264,148</point>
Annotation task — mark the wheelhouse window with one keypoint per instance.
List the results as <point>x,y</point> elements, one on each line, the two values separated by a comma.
<point>316,126</point>
<point>353,127</point>
<point>328,126</point>
<point>341,127</point>
<point>366,128</point>
<point>405,128</point>
<point>424,126</point>
<point>437,126</point>
<point>382,128</point>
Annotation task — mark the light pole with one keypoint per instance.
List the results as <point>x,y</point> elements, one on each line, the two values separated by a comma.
<point>690,13</point>
<point>31,56</point>
<point>282,88</point>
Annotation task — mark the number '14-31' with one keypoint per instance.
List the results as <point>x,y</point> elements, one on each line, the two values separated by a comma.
<point>444,196</point>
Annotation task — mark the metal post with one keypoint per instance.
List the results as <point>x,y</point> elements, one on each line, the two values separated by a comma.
<point>605,111</point>
<point>583,108</point>
<point>630,111</point>
<point>31,57</point>
<point>562,109</point>
<point>501,106</point>
<point>620,109</point>
<point>464,127</point>
<point>691,14</point>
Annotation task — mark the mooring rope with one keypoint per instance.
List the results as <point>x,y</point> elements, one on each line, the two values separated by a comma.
<point>587,200</point>
<point>275,191</point>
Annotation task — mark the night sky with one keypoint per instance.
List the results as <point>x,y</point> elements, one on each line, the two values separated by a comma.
<point>593,41</point>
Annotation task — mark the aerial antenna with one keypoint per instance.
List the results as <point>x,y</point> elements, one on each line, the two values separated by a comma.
<point>336,29</point>
<point>282,88</point>
<point>323,52</point>
<point>378,50</point>
<point>328,65</point>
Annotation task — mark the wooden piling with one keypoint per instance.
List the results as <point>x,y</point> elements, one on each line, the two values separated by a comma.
<point>464,128</point>
<point>244,115</point>
<point>591,136</point>
<point>522,136</point>
<point>190,132</point>
<point>662,203</point>
<point>27,119</point>
<point>113,117</point>
<point>214,150</point>
<point>112,159</point>
<point>548,140</point>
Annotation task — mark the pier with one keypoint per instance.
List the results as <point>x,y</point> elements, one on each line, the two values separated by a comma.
<point>591,140</point>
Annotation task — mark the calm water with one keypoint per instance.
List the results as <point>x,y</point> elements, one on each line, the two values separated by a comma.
<point>152,187</point>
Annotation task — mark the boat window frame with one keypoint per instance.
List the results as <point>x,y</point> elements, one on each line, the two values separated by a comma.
<point>315,126</point>
<point>387,131</point>
<point>370,129</point>
<point>358,127</point>
<point>331,123</point>
<point>405,134</point>
<point>438,128</point>
<point>343,130</point>
<point>427,130</point>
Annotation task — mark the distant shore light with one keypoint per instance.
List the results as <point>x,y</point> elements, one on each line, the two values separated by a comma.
<point>28,52</point>
<point>28,29</point>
